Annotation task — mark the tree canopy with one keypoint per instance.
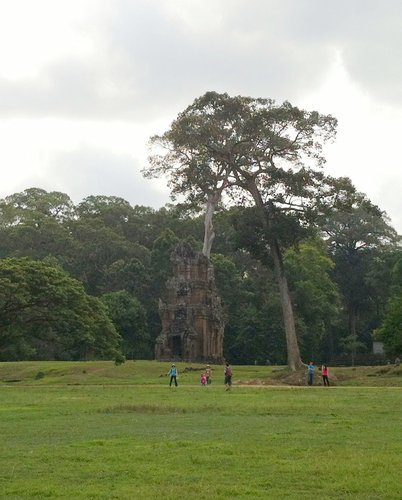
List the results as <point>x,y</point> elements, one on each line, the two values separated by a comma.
<point>46,313</point>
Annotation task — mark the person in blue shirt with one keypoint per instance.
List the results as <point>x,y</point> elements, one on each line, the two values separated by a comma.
<point>310,373</point>
<point>173,375</point>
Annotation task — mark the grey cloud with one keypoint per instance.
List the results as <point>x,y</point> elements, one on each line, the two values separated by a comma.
<point>173,65</point>
<point>72,88</point>
<point>369,35</point>
<point>148,61</point>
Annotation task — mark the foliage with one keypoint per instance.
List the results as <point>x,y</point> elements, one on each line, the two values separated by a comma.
<point>34,223</point>
<point>33,206</point>
<point>391,329</point>
<point>99,248</point>
<point>316,298</point>
<point>218,137</point>
<point>109,246</point>
<point>131,275</point>
<point>119,359</point>
<point>362,245</point>
<point>248,294</point>
<point>129,318</point>
<point>352,345</point>
<point>45,314</point>
<point>161,264</point>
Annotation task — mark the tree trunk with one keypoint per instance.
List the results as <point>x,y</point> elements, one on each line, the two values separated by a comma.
<point>352,330</point>
<point>209,234</point>
<point>294,360</point>
<point>352,320</point>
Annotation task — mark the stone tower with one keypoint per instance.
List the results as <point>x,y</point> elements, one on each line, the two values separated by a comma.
<point>192,317</point>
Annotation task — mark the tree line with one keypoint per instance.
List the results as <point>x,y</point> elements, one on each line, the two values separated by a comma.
<point>83,281</point>
<point>294,251</point>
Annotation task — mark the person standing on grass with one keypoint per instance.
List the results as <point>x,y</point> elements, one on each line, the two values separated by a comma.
<point>208,373</point>
<point>325,373</point>
<point>173,375</point>
<point>310,373</point>
<point>228,376</point>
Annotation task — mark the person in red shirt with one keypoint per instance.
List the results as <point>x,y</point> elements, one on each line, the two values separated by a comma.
<point>325,373</point>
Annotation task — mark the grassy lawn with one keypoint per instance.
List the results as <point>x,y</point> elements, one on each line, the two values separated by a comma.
<point>93,430</point>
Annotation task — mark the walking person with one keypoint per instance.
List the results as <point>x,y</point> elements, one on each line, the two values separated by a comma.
<point>208,374</point>
<point>325,374</point>
<point>173,375</point>
<point>310,373</point>
<point>228,376</point>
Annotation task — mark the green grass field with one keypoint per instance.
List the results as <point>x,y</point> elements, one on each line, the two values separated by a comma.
<point>95,430</point>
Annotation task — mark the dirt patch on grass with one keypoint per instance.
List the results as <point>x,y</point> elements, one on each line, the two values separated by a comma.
<point>258,381</point>
<point>383,371</point>
<point>295,378</point>
<point>133,408</point>
<point>386,370</point>
<point>162,410</point>
<point>299,378</point>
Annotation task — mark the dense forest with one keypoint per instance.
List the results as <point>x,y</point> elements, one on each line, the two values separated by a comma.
<point>83,281</point>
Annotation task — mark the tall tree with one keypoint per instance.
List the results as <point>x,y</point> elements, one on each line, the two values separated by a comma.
<point>113,211</point>
<point>34,205</point>
<point>391,329</point>
<point>359,236</point>
<point>254,151</point>
<point>34,223</point>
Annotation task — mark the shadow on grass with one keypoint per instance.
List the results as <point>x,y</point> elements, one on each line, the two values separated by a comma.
<point>145,408</point>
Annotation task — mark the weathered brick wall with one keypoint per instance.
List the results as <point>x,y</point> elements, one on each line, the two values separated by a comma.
<point>192,317</point>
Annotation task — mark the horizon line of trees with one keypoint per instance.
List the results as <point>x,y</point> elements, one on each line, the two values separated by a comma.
<point>83,281</point>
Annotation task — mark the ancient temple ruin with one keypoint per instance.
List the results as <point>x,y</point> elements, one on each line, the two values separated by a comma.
<point>192,317</point>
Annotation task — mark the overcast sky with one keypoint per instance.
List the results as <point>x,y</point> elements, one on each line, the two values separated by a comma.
<point>84,83</point>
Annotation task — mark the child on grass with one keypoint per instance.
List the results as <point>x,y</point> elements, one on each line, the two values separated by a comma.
<point>228,376</point>
<point>325,373</point>
<point>208,373</point>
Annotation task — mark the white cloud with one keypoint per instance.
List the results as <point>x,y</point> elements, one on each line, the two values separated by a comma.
<point>83,155</point>
<point>84,83</point>
<point>87,171</point>
<point>367,134</point>
<point>35,33</point>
